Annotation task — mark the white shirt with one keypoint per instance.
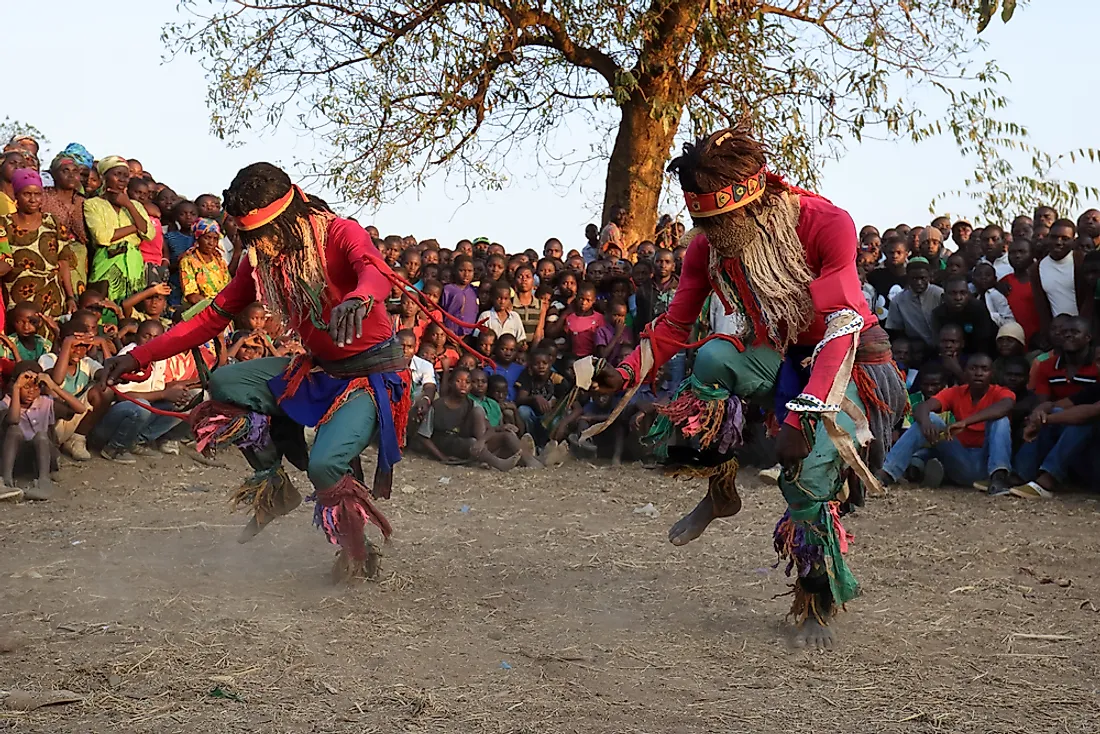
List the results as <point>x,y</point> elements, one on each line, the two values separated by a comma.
<point>154,383</point>
<point>997,305</point>
<point>1000,265</point>
<point>422,374</point>
<point>512,324</point>
<point>1059,284</point>
<point>732,324</point>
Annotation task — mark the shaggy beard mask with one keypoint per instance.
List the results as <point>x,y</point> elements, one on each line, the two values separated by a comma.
<point>764,237</point>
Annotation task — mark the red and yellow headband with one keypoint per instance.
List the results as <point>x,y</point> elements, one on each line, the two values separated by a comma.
<point>266,214</point>
<point>734,196</point>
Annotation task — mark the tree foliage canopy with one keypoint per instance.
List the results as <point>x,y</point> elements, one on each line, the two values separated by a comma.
<point>399,88</point>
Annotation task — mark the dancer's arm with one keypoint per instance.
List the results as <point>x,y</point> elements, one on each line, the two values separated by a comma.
<point>207,324</point>
<point>833,245</point>
<point>675,328</point>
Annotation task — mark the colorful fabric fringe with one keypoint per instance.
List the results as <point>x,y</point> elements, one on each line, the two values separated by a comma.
<point>812,540</point>
<point>343,512</point>
<point>258,491</point>
<point>706,413</point>
<point>215,424</point>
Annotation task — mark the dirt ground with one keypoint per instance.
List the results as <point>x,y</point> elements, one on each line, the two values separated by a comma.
<point>538,602</point>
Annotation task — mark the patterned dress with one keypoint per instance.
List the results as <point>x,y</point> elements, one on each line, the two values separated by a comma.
<point>34,255</point>
<point>202,274</point>
<point>68,209</point>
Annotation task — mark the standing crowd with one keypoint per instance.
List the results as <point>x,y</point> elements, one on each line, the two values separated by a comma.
<point>992,329</point>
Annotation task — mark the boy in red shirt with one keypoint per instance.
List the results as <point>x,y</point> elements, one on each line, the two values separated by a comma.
<point>978,445</point>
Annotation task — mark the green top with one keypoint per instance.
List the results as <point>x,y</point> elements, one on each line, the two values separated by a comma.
<point>491,408</point>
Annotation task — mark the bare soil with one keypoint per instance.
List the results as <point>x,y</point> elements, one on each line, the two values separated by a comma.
<point>538,602</point>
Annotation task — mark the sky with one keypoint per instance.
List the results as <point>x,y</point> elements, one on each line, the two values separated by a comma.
<point>158,115</point>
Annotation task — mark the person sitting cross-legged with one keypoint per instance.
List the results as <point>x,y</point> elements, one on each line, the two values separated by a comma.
<point>976,446</point>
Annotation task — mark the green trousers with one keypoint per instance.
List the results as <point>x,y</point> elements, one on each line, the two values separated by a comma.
<point>818,479</point>
<point>339,440</point>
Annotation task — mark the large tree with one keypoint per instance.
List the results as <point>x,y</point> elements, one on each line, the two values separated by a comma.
<point>400,88</point>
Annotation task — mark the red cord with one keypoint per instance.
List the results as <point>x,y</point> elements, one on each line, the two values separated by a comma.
<point>150,408</point>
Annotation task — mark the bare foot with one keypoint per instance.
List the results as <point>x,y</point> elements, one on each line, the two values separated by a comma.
<point>814,635</point>
<point>554,454</point>
<point>528,452</point>
<point>42,490</point>
<point>692,525</point>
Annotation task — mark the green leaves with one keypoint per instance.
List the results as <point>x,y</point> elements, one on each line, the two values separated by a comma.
<point>988,8</point>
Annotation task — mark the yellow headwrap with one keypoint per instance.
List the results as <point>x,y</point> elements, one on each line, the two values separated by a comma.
<point>111,161</point>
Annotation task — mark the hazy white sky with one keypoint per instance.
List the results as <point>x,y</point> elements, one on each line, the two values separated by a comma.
<point>92,73</point>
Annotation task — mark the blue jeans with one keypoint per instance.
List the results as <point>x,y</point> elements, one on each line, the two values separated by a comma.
<point>127,424</point>
<point>1058,451</point>
<point>533,422</point>
<point>962,465</point>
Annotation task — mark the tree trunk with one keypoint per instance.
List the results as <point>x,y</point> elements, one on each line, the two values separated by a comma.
<point>636,169</point>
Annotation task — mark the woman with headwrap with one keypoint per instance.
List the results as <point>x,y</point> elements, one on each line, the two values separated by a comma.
<point>12,161</point>
<point>323,276</point>
<point>786,259</point>
<point>116,226</point>
<point>64,201</point>
<point>37,249</point>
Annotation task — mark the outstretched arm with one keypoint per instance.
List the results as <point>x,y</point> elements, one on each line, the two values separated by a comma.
<point>675,328</point>
<point>207,324</point>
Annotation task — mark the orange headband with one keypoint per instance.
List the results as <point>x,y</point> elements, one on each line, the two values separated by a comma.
<point>734,196</point>
<point>264,215</point>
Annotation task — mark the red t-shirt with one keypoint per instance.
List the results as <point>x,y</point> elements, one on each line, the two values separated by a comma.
<point>958,401</point>
<point>582,332</point>
<point>1021,299</point>
<point>1051,379</point>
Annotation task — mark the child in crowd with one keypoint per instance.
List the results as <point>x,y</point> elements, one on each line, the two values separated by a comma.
<point>1010,344</point>
<point>24,321</point>
<point>537,391</point>
<point>127,429</point>
<point>502,320</point>
<point>433,290</point>
<point>29,410</point>
<point>74,371</point>
<point>446,356</point>
<point>581,324</point>
<point>410,318</point>
<point>178,242</point>
<point>151,303</point>
<point>421,372</point>
<point>985,286</point>
<point>497,389</point>
<point>614,340</point>
<point>246,345</point>
<point>460,298</point>
<point>486,342</point>
<point>456,431</point>
<point>506,365</point>
<point>479,389</point>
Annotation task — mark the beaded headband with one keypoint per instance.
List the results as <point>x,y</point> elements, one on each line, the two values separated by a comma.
<point>734,196</point>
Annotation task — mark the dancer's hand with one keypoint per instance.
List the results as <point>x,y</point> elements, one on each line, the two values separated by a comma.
<point>791,446</point>
<point>115,367</point>
<point>346,321</point>
<point>608,380</point>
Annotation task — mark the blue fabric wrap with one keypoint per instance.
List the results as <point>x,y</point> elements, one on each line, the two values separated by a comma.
<point>792,379</point>
<point>320,390</point>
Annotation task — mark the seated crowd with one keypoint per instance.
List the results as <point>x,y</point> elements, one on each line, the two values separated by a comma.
<point>992,330</point>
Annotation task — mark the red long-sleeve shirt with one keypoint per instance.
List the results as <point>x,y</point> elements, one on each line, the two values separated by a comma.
<point>828,237</point>
<point>348,275</point>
